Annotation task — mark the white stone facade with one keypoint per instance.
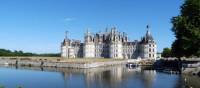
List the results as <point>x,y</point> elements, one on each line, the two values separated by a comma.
<point>89,49</point>
<point>110,44</point>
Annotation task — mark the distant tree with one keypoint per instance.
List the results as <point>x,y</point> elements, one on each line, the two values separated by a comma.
<point>50,55</point>
<point>186,28</point>
<point>4,52</point>
<point>2,86</point>
<point>166,52</point>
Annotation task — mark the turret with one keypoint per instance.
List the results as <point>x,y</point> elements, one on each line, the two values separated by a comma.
<point>115,49</point>
<point>148,46</point>
<point>88,37</point>
<point>89,47</point>
<point>124,37</point>
<point>67,50</point>
<point>148,35</point>
<point>64,46</point>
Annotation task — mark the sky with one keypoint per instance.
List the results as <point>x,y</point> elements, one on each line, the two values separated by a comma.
<point>39,26</point>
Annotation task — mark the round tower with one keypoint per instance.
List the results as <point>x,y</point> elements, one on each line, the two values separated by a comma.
<point>64,46</point>
<point>149,46</point>
<point>89,46</point>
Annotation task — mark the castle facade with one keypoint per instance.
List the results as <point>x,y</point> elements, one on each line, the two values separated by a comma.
<point>110,44</point>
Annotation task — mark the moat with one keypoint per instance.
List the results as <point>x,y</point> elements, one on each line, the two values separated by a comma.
<point>102,77</point>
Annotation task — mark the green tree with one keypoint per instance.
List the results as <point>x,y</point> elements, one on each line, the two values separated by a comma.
<point>186,28</point>
<point>2,86</point>
<point>4,52</point>
<point>166,52</point>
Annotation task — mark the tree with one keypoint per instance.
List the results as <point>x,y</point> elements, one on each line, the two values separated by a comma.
<point>186,28</point>
<point>4,52</point>
<point>166,52</point>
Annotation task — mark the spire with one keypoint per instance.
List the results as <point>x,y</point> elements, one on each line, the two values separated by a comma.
<point>87,32</point>
<point>87,36</point>
<point>114,28</point>
<point>148,34</point>
<point>147,26</point>
<point>148,31</point>
<point>106,29</point>
<point>64,43</point>
<point>66,33</point>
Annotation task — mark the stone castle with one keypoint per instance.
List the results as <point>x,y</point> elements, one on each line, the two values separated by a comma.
<point>110,44</point>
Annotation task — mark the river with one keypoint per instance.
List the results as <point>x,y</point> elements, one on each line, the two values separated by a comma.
<point>102,77</point>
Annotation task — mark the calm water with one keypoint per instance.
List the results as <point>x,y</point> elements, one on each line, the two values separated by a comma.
<point>104,77</point>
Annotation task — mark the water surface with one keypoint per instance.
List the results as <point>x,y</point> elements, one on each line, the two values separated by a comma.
<point>103,77</point>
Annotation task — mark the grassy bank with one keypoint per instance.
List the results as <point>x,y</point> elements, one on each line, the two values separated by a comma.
<point>60,59</point>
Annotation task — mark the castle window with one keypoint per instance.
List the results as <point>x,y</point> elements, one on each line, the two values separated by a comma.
<point>149,45</point>
<point>153,50</point>
<point>149,55</point>
<point>149,49</point>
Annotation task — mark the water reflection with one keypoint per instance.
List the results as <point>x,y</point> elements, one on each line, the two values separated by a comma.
<point>111,77</point>
<point>103,77</point>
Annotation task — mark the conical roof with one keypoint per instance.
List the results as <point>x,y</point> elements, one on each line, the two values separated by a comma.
<point>148,37</point>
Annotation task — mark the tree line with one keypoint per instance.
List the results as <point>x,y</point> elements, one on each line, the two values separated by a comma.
<point>186,28</point>
<point>5,52</point>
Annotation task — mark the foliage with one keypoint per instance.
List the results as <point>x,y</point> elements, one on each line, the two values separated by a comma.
<point>186,28</point>
<point>4,52</point>
<point>49,55</point>
<point>19,87</point>
<point>2,86</point>
<point>166,52</point>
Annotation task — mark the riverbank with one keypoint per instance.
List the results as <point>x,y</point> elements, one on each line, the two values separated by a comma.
<point>60,62</point>
<point>186,66</point>
<point>192,69</point>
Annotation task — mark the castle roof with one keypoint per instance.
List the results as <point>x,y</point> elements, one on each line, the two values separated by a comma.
<point>148,37</point>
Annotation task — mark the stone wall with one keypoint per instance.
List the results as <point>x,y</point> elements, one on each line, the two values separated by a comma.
<point>59,64</point>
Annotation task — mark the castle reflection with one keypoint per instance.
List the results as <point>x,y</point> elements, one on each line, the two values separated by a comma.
<point>101,77</point>
<point>112,77</point>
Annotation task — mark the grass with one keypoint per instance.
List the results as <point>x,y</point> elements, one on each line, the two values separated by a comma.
<point>61,59</point>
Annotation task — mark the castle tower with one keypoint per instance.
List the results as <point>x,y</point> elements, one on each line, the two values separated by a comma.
<point>89,46</point>
<point>64,46</point>
<point>116,47</point>
<point>67,50</point>
<point>148,46</point>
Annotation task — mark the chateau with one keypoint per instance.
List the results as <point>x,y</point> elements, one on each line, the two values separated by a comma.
<point>110,44</point>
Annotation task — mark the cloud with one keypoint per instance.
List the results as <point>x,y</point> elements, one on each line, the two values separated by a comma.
<point>68,19</point>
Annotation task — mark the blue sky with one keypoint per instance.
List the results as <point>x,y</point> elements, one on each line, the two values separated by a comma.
<point>38,25</point>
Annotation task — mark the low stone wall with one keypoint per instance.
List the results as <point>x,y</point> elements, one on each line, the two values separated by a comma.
<point>192,69</point>
<point>59,64</point>
<point>188,59</point>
